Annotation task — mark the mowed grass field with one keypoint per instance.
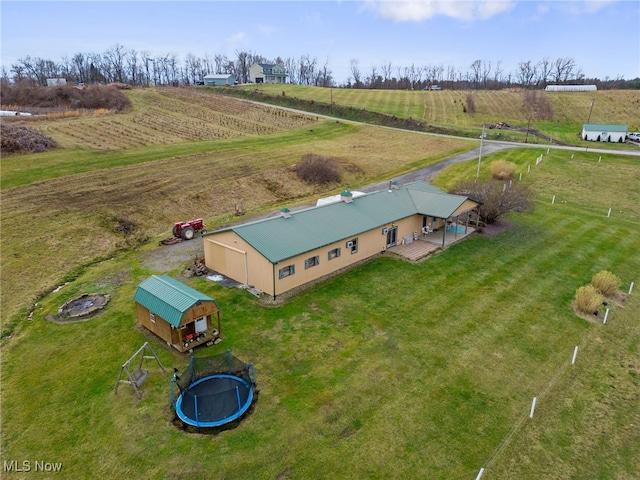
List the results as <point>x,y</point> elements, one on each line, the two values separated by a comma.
<point>446,108</point>
<point>391,370</point>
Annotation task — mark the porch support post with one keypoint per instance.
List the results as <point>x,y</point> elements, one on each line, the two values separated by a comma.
<point>444,232</point>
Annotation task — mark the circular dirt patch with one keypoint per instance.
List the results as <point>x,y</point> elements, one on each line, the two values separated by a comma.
<point>84,307</point>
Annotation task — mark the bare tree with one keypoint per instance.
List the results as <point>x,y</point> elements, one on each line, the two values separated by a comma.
<point>147,61</point>
<point>386,72</point>
<point>526,73</point>
<point>134,67</point>
<point>475,72</point>
<point>497,75</point>
<point>115,58</point>
<point>543,71</point>
<point>81,66</point>
<point>563,69</point>
<point>324,77</point>
<point>486,71</point>
<point>355,71</point>
<point>242,66</point>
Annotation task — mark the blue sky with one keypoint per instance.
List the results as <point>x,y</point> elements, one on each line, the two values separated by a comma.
<point>603,37</point>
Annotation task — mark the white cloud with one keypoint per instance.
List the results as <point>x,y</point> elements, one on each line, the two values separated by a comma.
<point>418,10</point>
<point>236,41</point>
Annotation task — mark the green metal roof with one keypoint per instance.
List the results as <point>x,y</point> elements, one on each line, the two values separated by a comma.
<point>279,238</point>
<point>604,127</point>
<point>168,298</point>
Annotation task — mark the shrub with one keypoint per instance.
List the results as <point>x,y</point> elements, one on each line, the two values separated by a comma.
<point>605,283</point>
<point>587,299</point>
<point>496,199</point>
<point>318,169</point>
<point>503,169</point>
<point>17,138</point>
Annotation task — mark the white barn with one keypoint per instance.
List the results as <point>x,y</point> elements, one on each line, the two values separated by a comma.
<point>601,132</point>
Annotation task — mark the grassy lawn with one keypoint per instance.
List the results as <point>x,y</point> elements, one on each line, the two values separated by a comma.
<point>391,370</point>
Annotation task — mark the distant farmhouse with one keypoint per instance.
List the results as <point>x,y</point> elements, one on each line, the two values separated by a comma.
<point>219,79</point>
<point>571,88</point>
<point>600,132</point>
<point>281,253</point>
<point>267,73</point>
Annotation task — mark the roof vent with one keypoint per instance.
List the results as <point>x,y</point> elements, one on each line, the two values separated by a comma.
<point>286,213</point>
<point>393,185</point>
<point>346,196</point>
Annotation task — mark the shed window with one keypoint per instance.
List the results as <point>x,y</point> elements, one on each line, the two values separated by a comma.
<point>286,271</point>
<point>152,317</point>
<point>335,253</point>
<point>311,262</point>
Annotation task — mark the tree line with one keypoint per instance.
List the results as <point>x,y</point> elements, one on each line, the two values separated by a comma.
<point>139,68</point>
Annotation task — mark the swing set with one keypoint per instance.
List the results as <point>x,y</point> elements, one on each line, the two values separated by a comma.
<point>135,376</point>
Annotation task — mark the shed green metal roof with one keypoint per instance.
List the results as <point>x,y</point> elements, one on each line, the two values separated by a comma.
<point>168,298</point>
<point>604,127</point>
<point>279,238</point>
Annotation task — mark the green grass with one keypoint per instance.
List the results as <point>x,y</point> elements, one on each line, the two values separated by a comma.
<point>390,370</point>
<point>26,169</point>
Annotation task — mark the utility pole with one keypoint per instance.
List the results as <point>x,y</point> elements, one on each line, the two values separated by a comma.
<point>480,157</point>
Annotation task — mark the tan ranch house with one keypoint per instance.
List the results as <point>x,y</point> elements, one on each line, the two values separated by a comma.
<point>281,253</point>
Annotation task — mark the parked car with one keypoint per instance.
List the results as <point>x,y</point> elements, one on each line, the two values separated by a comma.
<point>634,137</point>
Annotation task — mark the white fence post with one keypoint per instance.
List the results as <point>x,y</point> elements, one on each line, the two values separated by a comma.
<point>533,407</point>
<point>630,288</point>
<point>480,474</point>
<point>606,314</point>
<point>575,353</point>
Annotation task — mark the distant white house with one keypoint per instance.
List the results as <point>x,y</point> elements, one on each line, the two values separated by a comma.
<point>219,79</point>
<point>267,73</point>
<point>601,132</point>
<point>571,88</point>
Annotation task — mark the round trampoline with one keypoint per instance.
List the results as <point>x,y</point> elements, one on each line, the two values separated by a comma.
<point>214,391</point>
<point>215,400</point>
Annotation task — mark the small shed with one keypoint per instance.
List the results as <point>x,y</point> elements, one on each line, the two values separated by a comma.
<point>177,313</point>
<point>219,79</point>
<point>56,82</point>
<point>601,132</point>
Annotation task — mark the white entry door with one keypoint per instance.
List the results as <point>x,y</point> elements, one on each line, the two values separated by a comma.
<point>201,324</point>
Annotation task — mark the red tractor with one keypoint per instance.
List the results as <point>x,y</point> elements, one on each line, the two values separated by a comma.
<point>187,230</point>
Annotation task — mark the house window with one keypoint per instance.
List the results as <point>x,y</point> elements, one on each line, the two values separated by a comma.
<point>311,262</point>
<point>353,245</point>
<point>286,271</point>
<point>152,317</point>
<point>335,253</point>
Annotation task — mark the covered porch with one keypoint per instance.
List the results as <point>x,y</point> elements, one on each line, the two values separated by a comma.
<point>427,243</point>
